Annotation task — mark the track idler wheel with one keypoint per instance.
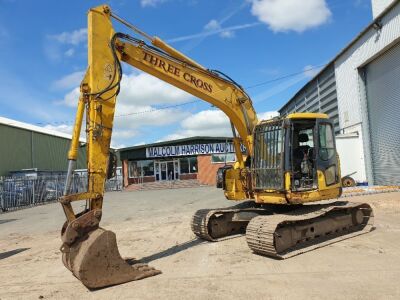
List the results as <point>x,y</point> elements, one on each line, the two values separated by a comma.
<point>96,262</point>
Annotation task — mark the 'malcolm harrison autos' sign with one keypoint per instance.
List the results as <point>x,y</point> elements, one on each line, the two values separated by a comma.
<point>196,149</point>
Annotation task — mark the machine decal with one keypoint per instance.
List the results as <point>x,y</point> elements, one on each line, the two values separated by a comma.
<point>168,68</point>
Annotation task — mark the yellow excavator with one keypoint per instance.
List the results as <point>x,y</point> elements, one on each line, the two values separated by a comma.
<point>289,163</point>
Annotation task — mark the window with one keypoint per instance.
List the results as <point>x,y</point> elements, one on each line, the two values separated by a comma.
<point>223,158</point>
<point>326,144</point>
<point>310,140</point>
<point>268,149</point>
<point>184,163</point>
<point>133,169</point>
<point>188,165</point>
<point>140,168</point>
<point>147,167</point>
<point>193,164</point>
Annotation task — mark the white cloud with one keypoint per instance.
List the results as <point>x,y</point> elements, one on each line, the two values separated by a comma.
<point>137,89</point>
<point>74,37</point>
<point>69,81</point>
<point>267,115</point>
<point>65,44</point>
<point>209,123</point>
<point>70,52</point>
<point>151,3</point>
<point>196,39</point>
<point>228,34</point>
<point>131,116</point>
<point>287,15</point>
<point>144,89</point>
<point>139,93</point>
<point>203,123</point>
<point>212,25</point>
<point>118,146</point>
<point>133,123</point>
<point>63,128</point>
<point>71,98</point>
<point>119,134</point>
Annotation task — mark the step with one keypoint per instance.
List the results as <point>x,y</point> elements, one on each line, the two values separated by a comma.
<point>163,185</point>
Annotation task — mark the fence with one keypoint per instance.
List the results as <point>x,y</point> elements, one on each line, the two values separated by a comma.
<point>18,192</point>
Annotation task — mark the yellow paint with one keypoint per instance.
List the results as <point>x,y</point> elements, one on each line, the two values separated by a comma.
<point>271,198</point>
<point>307,116</point>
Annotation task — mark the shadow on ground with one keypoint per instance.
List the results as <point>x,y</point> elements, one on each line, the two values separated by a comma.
<point>167,252</point>
<point>6,254</point>
<point>7,220</point>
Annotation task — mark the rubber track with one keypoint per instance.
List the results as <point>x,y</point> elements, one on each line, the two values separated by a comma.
<point>260,231</point>
<point>201,218</point>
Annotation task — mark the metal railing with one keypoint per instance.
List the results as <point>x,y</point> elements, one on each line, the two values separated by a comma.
<point>19,192</point>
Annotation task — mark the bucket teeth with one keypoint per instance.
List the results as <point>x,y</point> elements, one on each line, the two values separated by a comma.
<point>96,261</point>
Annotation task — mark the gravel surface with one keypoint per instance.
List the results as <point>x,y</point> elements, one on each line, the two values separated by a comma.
<point>153,226</point>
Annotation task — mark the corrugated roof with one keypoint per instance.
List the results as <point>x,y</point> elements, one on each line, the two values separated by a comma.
<point>30,127</point>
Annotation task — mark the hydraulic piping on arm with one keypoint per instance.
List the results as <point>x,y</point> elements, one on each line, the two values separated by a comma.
<point>89,251</point>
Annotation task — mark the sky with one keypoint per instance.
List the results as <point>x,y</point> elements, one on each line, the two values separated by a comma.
<point>271,47</point>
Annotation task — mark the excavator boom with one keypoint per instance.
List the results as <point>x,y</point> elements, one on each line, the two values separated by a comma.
<point>89,251</point>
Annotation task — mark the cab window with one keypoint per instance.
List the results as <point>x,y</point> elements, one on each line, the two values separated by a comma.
<point>326,142</point>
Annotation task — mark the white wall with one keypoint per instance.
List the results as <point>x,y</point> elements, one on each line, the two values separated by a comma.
<point>379,6</point>
<point>351,154</point>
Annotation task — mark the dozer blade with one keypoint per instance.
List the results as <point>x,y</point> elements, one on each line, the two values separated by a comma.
<point>96,261</point>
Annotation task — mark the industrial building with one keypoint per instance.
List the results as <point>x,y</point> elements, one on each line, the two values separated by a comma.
<point>25,146</point>
<point>183,159</point>
<point>359,89</point>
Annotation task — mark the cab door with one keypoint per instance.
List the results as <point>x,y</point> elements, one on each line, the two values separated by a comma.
<point>326,155</point>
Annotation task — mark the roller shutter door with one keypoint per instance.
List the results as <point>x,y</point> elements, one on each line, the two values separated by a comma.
<point>383,99</point>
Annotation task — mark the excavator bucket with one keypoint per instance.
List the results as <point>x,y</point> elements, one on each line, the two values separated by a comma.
<point>96,261</point>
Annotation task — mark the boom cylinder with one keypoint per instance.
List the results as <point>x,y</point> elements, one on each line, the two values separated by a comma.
<point>73,148</point>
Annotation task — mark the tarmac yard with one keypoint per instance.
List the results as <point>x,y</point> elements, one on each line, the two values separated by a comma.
<point>154,227</point>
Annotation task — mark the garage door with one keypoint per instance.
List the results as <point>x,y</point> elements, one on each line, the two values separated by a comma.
<point>383,98</point>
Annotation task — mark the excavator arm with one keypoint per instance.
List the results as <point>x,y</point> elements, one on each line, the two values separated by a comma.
<point>89,251</point>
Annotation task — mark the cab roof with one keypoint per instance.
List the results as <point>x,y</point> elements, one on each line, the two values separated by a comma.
<point>307,115</point>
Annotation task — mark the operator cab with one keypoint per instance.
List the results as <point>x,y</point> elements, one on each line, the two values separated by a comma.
<point>299,149</point>
<point>303,159</point>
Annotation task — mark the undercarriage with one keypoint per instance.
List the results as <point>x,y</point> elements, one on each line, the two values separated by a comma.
<point>284,231</point>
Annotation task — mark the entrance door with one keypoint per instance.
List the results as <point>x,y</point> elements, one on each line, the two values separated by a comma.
<point>170,170</point>
<point>167,170</point>
<point>163,171</point>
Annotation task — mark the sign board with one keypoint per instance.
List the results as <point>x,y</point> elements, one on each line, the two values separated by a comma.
<point>182,150</point>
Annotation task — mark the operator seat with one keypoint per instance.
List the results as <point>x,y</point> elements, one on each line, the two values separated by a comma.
<point>298,153</point>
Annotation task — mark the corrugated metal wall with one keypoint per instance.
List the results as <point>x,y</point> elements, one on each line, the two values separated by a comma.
<point>24,149</point>
<point>319,95</point>
<point>15,149</point>
<point>383,99</point>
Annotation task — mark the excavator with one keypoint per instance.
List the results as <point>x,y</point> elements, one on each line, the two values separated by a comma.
<point>283,178</point>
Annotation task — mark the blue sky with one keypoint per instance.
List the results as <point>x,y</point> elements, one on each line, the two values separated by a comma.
<point>43,57</point>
